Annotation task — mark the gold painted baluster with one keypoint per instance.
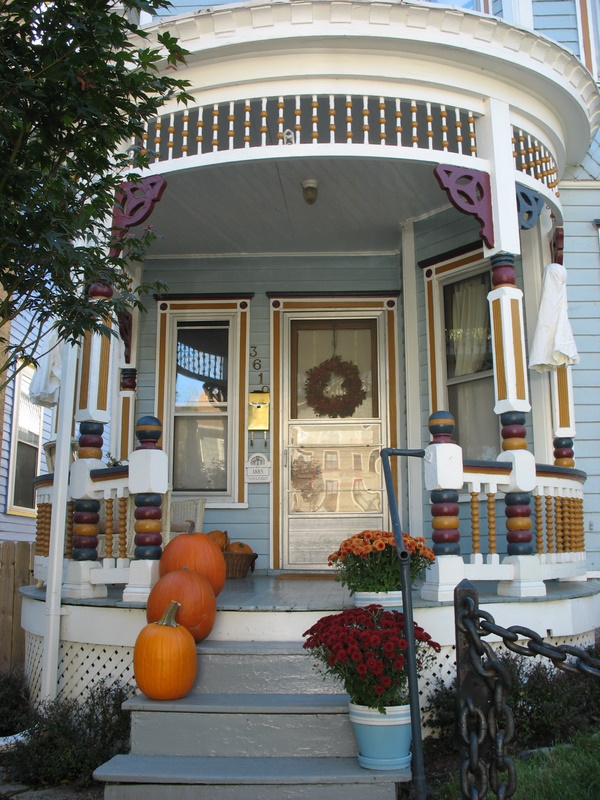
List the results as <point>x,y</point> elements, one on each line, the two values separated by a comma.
<point>491,516</point>
<point>108,533</point>
<point>348,119</point>
<point>459,134</point>
<point>382,121</point>
<point>331,119</point>
<point>185,133</point>
<point>231,125</point>
<point>247,109</point>
<point>539,524</point>
<point>365,113</point>
<point>475,523</point>
<point>171,132</point>
<point>263,123</point>
<point>558,516</point>
<point>199,128</point>
<point>122,527</point>
<point>280,120</point>
<point>314,104</point>
<point>429,120</point>
<point>298,124</point>
<point>444,127</point>
<point>398,115</point>
<point>414,123</point>
<point>550,540</point>
<point>215,127</point>
<point>472,140</point>
<point>157,139</point>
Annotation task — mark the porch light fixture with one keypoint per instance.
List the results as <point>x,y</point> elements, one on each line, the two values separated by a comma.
<point>310,191</point>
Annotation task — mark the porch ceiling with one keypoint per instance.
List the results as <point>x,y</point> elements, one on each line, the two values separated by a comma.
<point>257,206</point>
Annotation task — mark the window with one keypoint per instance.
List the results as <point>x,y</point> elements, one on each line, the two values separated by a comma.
<point>202,392</point>
<point>25,446</point>
<point>469,373</point>
<point>460,350</point>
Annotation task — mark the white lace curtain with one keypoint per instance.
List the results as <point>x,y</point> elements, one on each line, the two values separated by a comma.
<point>470,328</point>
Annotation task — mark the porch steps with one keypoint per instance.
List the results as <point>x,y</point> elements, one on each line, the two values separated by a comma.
<point>253,728</point>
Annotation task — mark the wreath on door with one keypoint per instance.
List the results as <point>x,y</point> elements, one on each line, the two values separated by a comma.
<point>334,405</point>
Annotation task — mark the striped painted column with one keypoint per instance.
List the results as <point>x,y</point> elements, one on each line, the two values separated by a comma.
<point>444,498</point>
<point>92,412</point>
<point>148,512</point>
<point>512,396</point>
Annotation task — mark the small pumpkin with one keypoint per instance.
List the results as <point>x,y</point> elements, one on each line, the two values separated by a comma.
<point>165,661</point>
<point>196,551</point>
<point>239,547</point>
<point>198,606</point>
<point>220,537</point>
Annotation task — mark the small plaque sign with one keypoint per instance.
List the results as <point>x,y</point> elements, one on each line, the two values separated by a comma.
<point>258,469</point>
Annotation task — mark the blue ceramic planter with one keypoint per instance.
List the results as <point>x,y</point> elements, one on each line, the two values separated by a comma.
<point>383,739</point>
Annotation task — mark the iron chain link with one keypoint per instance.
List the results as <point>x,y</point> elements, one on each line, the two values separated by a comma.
<point>499,724</point>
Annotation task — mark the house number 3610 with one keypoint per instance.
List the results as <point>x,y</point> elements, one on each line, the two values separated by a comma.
<point>257,367</point>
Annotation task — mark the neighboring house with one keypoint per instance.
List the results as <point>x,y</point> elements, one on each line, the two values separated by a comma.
<point>25,428</point>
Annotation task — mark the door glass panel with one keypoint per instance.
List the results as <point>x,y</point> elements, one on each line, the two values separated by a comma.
<point>335,469</point>
<point>353,343</point>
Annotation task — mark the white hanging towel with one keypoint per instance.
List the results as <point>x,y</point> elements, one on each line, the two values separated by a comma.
<point>553,343</point>
<point>44,389</point>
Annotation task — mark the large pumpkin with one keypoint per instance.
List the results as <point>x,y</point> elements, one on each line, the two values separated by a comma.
<point>164,658</point>
<point>195,551</point>
<point>198,607</point>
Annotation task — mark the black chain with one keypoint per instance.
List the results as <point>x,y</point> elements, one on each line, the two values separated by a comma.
<point>493,731</point>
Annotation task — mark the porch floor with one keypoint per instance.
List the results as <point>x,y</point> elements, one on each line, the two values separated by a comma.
<point>298,592</point>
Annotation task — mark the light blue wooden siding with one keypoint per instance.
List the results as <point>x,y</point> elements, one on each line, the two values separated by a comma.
<point>262,274</point>
<point>15,527</point>
<point>582,259</point>
<point>557,19</point>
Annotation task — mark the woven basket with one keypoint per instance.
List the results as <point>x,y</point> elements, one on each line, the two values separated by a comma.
<point>238,564</point>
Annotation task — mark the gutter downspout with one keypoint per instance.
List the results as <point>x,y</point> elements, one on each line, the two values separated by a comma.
<point>49,683</point>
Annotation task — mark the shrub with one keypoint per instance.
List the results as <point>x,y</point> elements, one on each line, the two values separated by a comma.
<point>68,738</point>
<point>15,710</point>
<point>549,705</point>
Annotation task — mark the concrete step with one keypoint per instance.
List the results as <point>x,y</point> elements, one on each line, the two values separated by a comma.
<point>259,725</point>
<point>242,667</point>
<point>137,777</point>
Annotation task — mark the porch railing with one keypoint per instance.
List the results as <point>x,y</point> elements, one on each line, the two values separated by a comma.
<point>310,119</point>
<point>333,119</point>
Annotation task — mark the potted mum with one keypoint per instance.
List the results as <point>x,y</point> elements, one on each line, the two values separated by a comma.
<point>367,563</point>
<point>365,650</point>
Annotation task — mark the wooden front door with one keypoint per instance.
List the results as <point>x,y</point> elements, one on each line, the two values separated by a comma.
<point>334,422</point>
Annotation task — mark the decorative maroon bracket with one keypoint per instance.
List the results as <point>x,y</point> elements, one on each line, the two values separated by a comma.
<point>134,201</point>
<point>469,192</point>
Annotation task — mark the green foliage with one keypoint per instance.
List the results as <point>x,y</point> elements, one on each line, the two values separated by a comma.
<point>76,81</point>
<point>549,705</point>
<point>569,770</point>
<point>14,702</point>
<point>69,739</point>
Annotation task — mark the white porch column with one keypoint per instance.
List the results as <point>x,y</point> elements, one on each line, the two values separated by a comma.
<point>494,142</point>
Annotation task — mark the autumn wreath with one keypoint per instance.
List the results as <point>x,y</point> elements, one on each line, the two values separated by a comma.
<point>334,405</point>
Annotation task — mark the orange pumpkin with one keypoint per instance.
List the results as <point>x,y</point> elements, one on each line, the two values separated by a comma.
<point>239,547</point>
<point>220,537</point>
<point>165,661</point>
<point>198,607</point>
<point>198,552</point>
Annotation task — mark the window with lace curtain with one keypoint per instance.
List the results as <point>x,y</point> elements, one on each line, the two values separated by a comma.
<point>469,375</point>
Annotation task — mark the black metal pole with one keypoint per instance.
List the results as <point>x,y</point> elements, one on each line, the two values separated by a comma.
<point>418,764</point>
